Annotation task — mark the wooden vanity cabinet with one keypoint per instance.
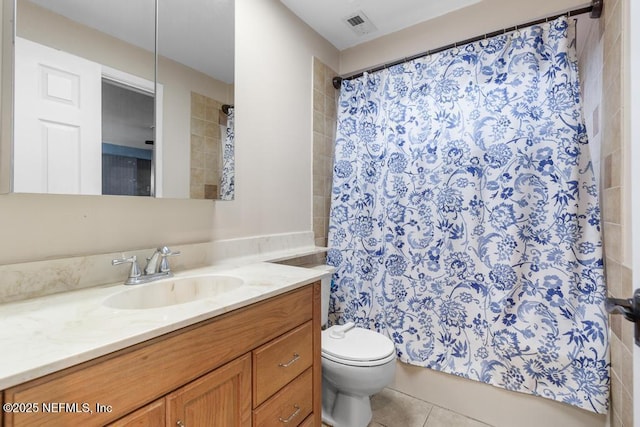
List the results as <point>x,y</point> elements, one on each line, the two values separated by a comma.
<point>258,365</point>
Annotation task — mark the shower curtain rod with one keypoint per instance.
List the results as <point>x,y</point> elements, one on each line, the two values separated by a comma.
<point>595,10</point>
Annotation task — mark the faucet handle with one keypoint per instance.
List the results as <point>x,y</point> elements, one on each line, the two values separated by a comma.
<point>134,273</point>
<point>165,252</point>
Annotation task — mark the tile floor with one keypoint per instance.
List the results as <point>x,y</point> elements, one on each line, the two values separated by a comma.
<point>395,409</point>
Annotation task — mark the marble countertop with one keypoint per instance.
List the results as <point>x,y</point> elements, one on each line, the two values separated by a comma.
<point>47,334</point>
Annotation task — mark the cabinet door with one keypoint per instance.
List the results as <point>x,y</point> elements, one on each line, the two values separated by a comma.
<point>151,415</point>
<point>221,398</point>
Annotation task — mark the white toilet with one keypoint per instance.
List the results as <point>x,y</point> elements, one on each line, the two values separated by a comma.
<point>356,363</point>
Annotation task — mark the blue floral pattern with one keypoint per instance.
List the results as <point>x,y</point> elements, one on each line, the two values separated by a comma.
<point>227,180</point>
<point>465,221</point>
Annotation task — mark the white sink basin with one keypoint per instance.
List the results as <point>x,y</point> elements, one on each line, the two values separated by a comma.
<point>172,291</point>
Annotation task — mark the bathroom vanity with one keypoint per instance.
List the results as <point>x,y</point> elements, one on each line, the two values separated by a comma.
<point>258,363</point>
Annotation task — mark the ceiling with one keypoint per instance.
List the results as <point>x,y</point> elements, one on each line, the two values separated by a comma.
<point>200,36</point>
<point>328,17</point>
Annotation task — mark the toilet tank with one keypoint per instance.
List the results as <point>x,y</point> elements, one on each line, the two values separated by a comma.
<point>325,291</point>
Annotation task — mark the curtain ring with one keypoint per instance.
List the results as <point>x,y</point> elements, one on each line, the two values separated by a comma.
<point>516,33</point>
<point>455,49</point>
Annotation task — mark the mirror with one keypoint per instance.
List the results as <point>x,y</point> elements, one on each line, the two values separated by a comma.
<point>95,114</point>
<point>198,132</point>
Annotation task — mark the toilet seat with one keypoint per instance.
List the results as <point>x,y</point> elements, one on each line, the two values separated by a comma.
<point>356,346</point>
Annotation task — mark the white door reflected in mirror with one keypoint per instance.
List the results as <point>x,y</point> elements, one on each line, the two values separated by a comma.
<point>80,128</point>
<point>57,122</point>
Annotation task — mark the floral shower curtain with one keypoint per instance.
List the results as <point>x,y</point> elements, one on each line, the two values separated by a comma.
<point>227,180</point>
<point>465,220</point>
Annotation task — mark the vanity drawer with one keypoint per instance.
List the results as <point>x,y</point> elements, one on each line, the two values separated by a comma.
<point>278,362</point>
<point>308,422</point>
<point>288,407</point>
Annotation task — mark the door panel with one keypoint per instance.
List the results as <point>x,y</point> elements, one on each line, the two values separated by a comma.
<point>57,135</point>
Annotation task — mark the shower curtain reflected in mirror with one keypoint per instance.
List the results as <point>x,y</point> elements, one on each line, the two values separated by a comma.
<point>465,221</point>
<point>227,180</point>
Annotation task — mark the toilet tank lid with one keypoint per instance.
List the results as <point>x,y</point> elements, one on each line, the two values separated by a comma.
<point>357,344</point>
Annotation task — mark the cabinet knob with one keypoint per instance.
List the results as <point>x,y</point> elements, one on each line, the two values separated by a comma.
<point>292,416</point>
<point>179,423</point>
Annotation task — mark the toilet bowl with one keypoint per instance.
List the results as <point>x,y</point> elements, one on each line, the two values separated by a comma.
<point>356,363</point>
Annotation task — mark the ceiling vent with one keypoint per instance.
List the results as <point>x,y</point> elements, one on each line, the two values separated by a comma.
<point>359,23</point>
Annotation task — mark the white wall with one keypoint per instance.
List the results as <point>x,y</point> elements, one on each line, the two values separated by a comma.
<point>274,137</point>
<point>127,117</point>
<point>274,71</point>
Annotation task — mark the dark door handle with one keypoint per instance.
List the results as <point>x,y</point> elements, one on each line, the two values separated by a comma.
<point>620,306</point>
<point>629,308</point>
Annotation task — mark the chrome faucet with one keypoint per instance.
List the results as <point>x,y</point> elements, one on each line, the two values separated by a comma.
<point>157,267</point>
<point>158,263</point>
